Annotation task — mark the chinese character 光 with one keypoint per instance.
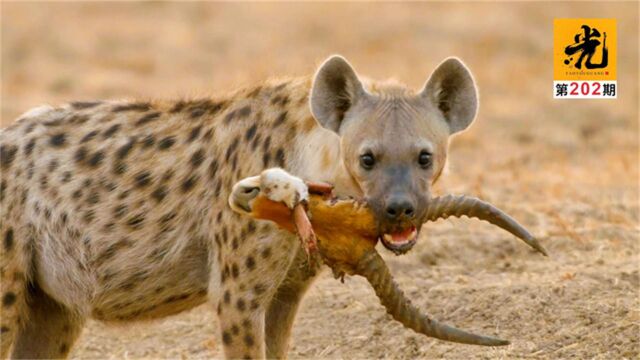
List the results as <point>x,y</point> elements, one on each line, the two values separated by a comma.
<point>587,44</point>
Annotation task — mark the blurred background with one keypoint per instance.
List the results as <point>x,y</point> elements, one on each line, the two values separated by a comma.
<point>567,169</point>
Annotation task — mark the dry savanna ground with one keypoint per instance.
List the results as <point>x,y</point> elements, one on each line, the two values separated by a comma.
<point>568,170</point>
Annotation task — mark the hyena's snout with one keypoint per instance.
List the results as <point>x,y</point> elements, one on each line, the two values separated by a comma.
<point>399,208</point>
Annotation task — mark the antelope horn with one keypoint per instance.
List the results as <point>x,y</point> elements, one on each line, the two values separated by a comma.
<point>459,205</point>
<point>374,269</point>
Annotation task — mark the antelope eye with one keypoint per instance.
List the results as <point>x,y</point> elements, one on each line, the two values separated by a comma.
<point>424,159</point>
<point>367,161</point>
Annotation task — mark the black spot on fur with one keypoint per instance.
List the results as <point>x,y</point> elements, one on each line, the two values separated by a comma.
<point>78,119</point>
<point>58,140</point>
<point>259,289</point>
<point>89,216</point>
<point>231,149</point>
<point>119,211</point>
<point>148,118</point>
<point>240,113</point>
<point>280,159</point>
<point>226,338</point>
<point>244,111</point>
<point>254,92</point>
<point>250,262</point>
<point>124,150</point>
<point>227,297</point>
<point>280,119</point>
<point>81,105</point>
<point>93,198</point>
<point>248,340</point>
<point>4,329</point>
<point>235,271</point>
<point>8,239</point>
<point>213,168</point>
<point>53,165</point>
<point>280,100</point>
<point>80,155</point>
<point>255,142</point>
<point>197,158</point>
<point>177,107</point>
<point>208,135</point>
<point>3,188</point>
<point>28,148</point>
<point>9,299</point>
<point>66,176</point>
<point>140,107</point>
<point>241,305</point>
<point>266,144</point>
<point>96,159</point>
<point>64,348</point>
<point>136,221</point>
<point>159,193</point>
<point>90,135</point>
<point>189,183</point>
<point>119,168</point>
<point>266,157</point>
<point>142,179</point>
<point>148,141</point>
<point>197,112</point>
<point>77,194</point>
<point>111,130</point>
<point>251,132</point>
<point>7,155</point>
<point>29,128</point>
<point>266,253</point>
<point>166,143</point>
<point>195,132</point>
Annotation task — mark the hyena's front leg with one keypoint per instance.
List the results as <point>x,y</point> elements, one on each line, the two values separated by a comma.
<point>247,279</point>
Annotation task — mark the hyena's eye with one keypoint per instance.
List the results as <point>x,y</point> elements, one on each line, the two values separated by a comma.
<point>367,161</point>
<point>424,159</point>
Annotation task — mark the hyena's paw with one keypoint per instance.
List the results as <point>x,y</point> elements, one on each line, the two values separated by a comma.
<point>277,184</point>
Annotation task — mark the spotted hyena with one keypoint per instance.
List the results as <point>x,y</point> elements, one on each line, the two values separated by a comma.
<point>118,210</point>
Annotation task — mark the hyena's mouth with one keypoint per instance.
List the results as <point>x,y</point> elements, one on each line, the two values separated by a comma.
<point>400,242</point>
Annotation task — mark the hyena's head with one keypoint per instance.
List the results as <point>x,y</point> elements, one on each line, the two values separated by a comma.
<point>394,141</point>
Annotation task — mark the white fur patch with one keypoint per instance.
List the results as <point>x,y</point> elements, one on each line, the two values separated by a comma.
<point>37,111</point>
<point>280,186</point>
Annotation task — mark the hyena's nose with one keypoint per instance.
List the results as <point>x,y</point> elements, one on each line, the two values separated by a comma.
<point>399,208</point>
<point>243,193</point>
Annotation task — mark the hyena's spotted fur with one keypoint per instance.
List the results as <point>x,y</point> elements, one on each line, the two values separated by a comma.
<point>118,210</point>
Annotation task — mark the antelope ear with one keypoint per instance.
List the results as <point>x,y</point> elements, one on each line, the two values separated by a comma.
<point>336,88</point>
<point>452,91</point>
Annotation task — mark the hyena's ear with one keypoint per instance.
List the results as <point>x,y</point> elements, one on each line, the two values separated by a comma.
<point>452,91</point>
<point>336,88</point>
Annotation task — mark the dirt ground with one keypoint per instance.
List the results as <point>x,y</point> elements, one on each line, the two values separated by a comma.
<point>568,170</point>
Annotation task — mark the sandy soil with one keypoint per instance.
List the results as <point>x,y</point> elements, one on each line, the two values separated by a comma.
<point>568,170</point>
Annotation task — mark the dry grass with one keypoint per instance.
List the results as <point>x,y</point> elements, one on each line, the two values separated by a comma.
<point>566,169</point>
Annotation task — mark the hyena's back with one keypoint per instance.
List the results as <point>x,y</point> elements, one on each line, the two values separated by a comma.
<point>115,208</point>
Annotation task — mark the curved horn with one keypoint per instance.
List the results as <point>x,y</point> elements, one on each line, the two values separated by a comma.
<point>374,269</point>
<point>459,205</point>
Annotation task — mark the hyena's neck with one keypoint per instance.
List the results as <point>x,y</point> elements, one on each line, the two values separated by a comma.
<point>317,157</point>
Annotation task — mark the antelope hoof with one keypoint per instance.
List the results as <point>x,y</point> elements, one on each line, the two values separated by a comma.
<point>276,184</point>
